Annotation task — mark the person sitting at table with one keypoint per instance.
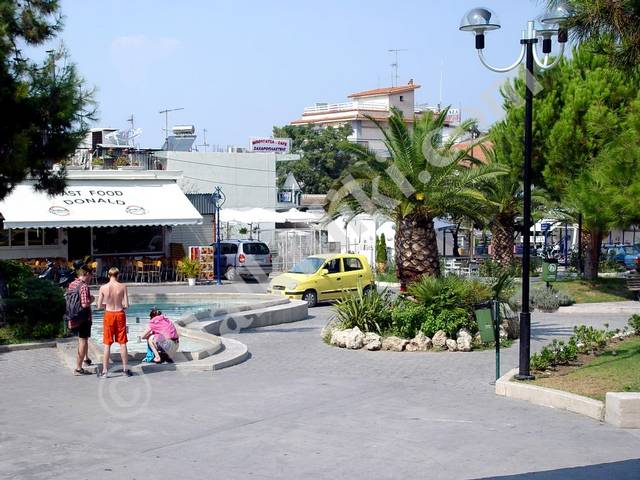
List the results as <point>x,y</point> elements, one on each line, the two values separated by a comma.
<point>162,337</point>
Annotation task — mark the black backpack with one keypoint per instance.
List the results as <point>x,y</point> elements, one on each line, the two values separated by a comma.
<point>74,314</point>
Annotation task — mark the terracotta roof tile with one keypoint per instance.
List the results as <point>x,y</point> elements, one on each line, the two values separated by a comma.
<point>385,91</point>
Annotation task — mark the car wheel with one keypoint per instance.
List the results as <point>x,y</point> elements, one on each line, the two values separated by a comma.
<point>311,297</point>
<point>231,274</point>
<point>367,290</point>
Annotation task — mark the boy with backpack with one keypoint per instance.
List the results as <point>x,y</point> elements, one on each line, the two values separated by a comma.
<point>78,314</point>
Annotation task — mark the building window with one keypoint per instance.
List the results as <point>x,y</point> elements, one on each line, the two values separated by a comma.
<point>128,240</point>
<point>50,236</point>
<point>18,237</point>
<point>402,98</point>
<point>4,238</point>
<point>34,237</point>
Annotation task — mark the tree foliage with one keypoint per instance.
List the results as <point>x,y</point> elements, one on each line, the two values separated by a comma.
<point>612,27</point>
<point>581,115</point>
<point>41,105</point>
<point>323,159</point>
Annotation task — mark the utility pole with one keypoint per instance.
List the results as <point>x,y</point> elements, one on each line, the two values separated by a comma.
<point>166,122</point>
<point>394,65</point>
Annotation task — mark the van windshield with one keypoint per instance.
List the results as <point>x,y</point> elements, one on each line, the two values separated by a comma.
<point>308,265</point>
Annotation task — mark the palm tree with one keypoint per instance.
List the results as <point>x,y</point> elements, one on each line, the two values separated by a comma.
<point>421,180</point>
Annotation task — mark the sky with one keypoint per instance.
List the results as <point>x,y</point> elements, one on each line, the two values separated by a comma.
<point>239,68</point>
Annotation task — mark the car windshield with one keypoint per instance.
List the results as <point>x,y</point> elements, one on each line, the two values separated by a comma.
<point>308,265</point>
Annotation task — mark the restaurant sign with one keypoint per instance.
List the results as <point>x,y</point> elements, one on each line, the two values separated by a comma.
<point>264,144</point>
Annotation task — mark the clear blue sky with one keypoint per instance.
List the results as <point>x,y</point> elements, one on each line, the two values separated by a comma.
<point>238,68</point>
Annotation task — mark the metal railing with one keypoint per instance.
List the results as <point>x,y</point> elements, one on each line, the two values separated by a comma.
<point>346,106</point>
<point>114,159</point>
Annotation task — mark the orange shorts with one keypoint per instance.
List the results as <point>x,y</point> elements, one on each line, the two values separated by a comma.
<point>114,326</point>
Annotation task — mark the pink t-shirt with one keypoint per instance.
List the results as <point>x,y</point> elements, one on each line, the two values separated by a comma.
<point>163,326</point>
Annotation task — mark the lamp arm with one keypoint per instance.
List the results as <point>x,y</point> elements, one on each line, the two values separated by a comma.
<point>506,69</point>
<point>545,65</point>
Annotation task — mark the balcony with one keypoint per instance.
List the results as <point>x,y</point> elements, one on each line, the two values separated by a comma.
<point>114,158</point>
<point>345,107</point>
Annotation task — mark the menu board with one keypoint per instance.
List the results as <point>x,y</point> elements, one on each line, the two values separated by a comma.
<point>204,255</point>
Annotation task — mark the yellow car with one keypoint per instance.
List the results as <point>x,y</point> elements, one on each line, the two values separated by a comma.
<point>325,277</point>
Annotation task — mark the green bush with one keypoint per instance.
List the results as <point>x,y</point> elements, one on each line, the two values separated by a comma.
<point>634,323</point>
<point>451,320</point>
<point>370,312</point>
<point>590,339</point>
<point>542,298</point>
<point>557,353</point>
<point>461,292</point>
<point>407,318</point>
<point>35,311</point>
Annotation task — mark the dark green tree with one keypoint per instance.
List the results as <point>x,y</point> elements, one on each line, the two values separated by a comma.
<point>612,27</point>
<point>580,109</point>
<point>323,159</point>
<point>42,105</point>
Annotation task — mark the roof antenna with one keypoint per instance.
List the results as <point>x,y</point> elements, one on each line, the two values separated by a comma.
<point>204,142</point>
<point>394,65</point>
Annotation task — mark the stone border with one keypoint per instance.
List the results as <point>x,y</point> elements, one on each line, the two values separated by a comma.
<point>621,409</point>
<point>14,347</point>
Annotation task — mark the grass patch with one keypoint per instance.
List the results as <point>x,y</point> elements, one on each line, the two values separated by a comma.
<point>504,343</point>
<point>616,370</point>
<point>602,290</point>
<point>387,277</point>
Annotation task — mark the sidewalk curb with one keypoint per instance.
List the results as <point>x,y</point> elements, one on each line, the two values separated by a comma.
<point>15,347</point>
<point>549,397</point>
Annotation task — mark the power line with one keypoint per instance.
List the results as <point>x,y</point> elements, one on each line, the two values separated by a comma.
<point>215,182</point>
<point>217,165</point>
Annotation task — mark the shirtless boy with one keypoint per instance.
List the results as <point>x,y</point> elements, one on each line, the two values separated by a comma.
<point>114,298</point>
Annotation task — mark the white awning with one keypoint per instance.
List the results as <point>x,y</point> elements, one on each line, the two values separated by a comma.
<point>100,203</point>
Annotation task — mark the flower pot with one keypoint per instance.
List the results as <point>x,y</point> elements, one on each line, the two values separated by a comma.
<point>192,281</point>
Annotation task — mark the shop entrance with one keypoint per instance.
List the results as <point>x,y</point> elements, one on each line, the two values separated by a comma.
<point>79,242</point>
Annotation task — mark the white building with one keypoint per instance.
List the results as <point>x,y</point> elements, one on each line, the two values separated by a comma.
<point>377,105</point>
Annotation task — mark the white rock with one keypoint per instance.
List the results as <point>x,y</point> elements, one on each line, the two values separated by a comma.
<point>420,343</point>
<point>464,340</point>
<point>354,338</point>
<point>439,340</point>
<point>394,344</point>
<point>339,338</point>
<point>370,337</point>
<point>374,345</point>
<point>452,346</point>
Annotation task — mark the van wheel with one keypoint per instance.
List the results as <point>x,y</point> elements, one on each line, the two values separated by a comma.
<point>231,274</point>
<point>311,297</point>
<point>367,290</point>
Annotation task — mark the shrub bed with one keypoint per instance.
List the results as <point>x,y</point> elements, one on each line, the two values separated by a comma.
<point>32,308</point>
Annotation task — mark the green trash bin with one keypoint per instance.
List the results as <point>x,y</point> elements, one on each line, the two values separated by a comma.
<point>550,270</point>
<point>484,318</point>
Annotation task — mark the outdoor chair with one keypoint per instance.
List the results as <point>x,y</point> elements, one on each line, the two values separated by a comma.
<point>179,276</point>
<point>153,271</point>
<point>140,272</point>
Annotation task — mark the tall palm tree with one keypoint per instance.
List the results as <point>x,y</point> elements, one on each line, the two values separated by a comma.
<point>421,180</point>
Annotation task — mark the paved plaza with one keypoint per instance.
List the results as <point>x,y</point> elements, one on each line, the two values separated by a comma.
<point>301,409</point>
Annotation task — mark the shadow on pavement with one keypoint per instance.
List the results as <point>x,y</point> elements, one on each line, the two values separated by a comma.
<point>624,470</point>
<point>540,331</point>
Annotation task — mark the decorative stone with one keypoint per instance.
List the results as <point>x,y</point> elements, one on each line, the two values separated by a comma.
<point>394,344</point>
<point>452,346</point>
<point>510,321</point>
<point>464,340</point>
<point>439,340</point>
<point>370,337</point>
<point>339,338</point>
<point>477,340</point>
<point>420,343</point>
<point>374,345</point>
<point>354,338</point>
<point>503,333</point>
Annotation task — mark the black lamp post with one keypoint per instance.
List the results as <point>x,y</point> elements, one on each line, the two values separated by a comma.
<point>479,21</point>
<point>218,198</point>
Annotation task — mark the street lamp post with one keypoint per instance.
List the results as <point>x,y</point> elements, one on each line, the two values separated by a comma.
<point>218,198</point>
<point>481,20</point>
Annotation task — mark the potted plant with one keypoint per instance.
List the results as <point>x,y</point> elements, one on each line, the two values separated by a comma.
<point>190,269</point>
<point>381,253</point>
